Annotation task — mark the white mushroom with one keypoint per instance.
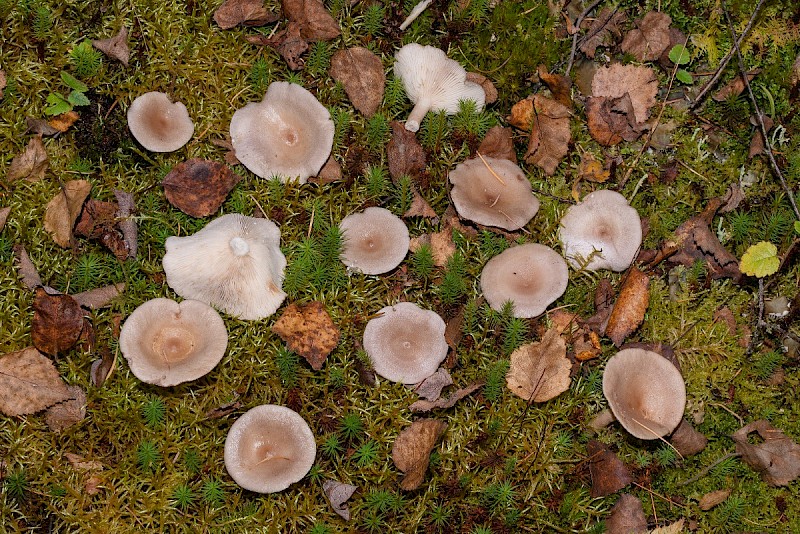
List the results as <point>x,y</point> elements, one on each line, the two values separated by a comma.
<point>433,82</point>
<point>375,240</point>
<point>159,124</point>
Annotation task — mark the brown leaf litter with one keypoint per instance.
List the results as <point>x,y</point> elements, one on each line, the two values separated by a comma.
<point>337,494</point>
<point>70,412</point>
<point>713,498</point>
<point>57,322</point>
<point>198,187</point>
<point>233,13</point>
<point>650,38</point>
<point>609,473</point>
<point>540,371</point>
<point>603,31</point>
<point>630,307</point>
<point>777,458</point>
<point>98,220</point>
<point>411,451</point>
<point>404,153</point>
<point>127,224</point>
<point>498,143</point>
<point>309,331</point>
<point>29,382</point>
<point>115,47</point>
<point>548,124</point>
<point>619,107</point>
<point>31,164</point>
<point>626,516</point>
<point>361,73</point>
<point>446,402</point>
<point>63,210</point>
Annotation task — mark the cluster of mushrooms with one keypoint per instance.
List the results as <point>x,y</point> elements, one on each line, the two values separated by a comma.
<point>289,136</point>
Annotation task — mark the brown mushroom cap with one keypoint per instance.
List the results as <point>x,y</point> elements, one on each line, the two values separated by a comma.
<point>288,134</point>
<point>168,343</point>
<point>602,232</point>
<point>375,240</point>
<point>269,448</point>
<point>493,192</point>
<point>531,276</point>
<point>645,391</point>
<point>159,124</point>
<point>405,343</point>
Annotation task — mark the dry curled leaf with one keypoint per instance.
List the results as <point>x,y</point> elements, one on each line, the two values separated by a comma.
<point>592,170</point>
<point>98,221</point>
<point>81,463</point>
<point>446,402</point>
<point>226,409</point>
<point>406,156</point>
<point>63,210</point>
<point>29,382</point>
<point>99,297</point>
<point>61,123</point>
<point>115,47</point>
<point>127,224</point>
<point>431,388</point>
<point>609,473</point>
<point>329,173</point>
<point>245,12</point>
<point>40,127</point>
<point>627,516</point>
<point>499,144</point>
<point>198,187</point>
<point>309,331</point>
<point>412,450</point>
<point>687,440</point>
<point>713,498</point>
<point>630,307</point>
<point>603,31</point>
<point>489,90</point>
<point>102,368</point>
<point>338,494</point>
<point>4,216</point>
<point>611,120</point>
<point>617,80</point>
<point>734,87</point>
<point>777,458</point>
<point>672,528</point>
<point>361,73</point>
<point>419,206</point>
<point>27,271</point>
<point>65,414</point>
<point>57,322</point>
<point>651,37</point>
<point>560,86</point>
<point>757,143</point>
<point>31,164</point>
<point>316,24</point>
<point>540,371</point>
<point>550,134</point>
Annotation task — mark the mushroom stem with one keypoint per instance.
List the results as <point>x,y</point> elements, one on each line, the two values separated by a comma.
<point>421,108</point>
<point>602,420</point>
<point>239,246</point>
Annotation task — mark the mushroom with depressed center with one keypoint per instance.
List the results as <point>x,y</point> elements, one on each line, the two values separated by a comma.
<point>234,264</point>
<point>168,343</point>
<point>531,276</point>
<point>493,192</point>
<point>159,124</point>
<point>602,232</point>
<point>288,134</point>
<point>405,343</point>
<point>433,82</point>
<point>269,448</point>
<point>375,240</point>
<point>645,391</point>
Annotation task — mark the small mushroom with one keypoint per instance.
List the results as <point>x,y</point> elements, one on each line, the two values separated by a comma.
<point>602,232</point>
<point>168,343</point>
<point>375,241</point>
<point>433,82</point>
<point>269,448</point>
<point>405,343</point>
<point>288,134</point>
<point>234,264</point>
<point>645,392</point>
<point>493,192</point>
<point>159,124</point>
<point>531,276</point>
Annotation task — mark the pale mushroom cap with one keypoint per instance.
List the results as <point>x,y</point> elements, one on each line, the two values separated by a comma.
<point>481,197</point>
<point>645,391</point>
<point>531,276</point>
<point>234,264</point>
<point>269,448</point>
<point>375,240</point>
<point>603,231</point>
<point>167,343</point>
<point>288,134</point>
<point>159,124</point>
<point>406,343</point>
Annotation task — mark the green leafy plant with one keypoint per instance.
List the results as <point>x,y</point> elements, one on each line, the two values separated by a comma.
<point>260,73</point>
<point>760,260</point>
<point>366,453</point>
<point>147,455</point>
<point>60,104</point>
<point>182,496</point>
<point>422,262</point>
<point>154,411</point>
<point>213,492</point>
<point>287,361</point>
<point>351,426</point>
<point>86,59</point>
<point>679,55</point>
<point>331,446</point>
<point>16,484</point>
<point>192,461</point>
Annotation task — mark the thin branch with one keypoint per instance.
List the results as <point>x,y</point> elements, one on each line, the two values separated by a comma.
<point>578,22</point>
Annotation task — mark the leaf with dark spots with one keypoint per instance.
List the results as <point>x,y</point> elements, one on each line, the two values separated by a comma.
<point>609,473</point>
<point>57,322</point>
<point>198,187</point>
<point>406,156</point>
<point>309,331</point>
<point>361,73</point>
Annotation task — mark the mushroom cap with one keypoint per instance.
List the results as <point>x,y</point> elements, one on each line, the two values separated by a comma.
<point>645,391</point>
<point>288,134</point>
<point>405,343</point>
<point>168,343</point>
<point>234,264</point>
<point>603,229</point>
<point>375,240</point>
<point>481,197</point>
<point>269,448</point>
<point>159,124</point>
<point>531,276</point>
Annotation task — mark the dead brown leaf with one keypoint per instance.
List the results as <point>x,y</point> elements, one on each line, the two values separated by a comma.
<point>3,82</point>
<point>442,246</point>
<point>725,316</point>
<point>412,450</point>
<point>419,206</point>
<point>99,297</point>
<point>406,156</point>
<point>63,210</point>
<point>127,224</point>
<point>446,402</point>
<point>4,216</point>
<point>102,368</point>
<point>27,271</point>
<point>592,170</point>
<point>777,458</point>
<point>627,516</point>
<point>550,134</point>
<point>609,473</point>
<point>329,173</point>
<point>338,494</point>
<point>586,344</point>
<point>734,87</point>
<point>713,498</point>
<point>289,44</point>
<point>687,440</point>
<point>486,84</point>
<point>651,37</point>
<point>630,307</point>
<point>92,485</point>
<point>361,73</point>
<point>309,331</point>
<point>316,24</point>
<point>65,414</point>
<point>560,86</point>
<point>98,220</point>
<point>226,409</point>
<point>604,31</point>
<point>198,187</point>
<point>62,122</point>
<point>31,164</point>
<point>115,47</point>
<point>611,120</point>
<point>29,382</point>
<point>57,322</point>
<point>39,127</point>
<point>499,144</point>
<point>639,83</point>
<point>540,371</point>
<point>431,388</point>
<point>81,463</point>
<point>245,12</point>
<point>757,144</point>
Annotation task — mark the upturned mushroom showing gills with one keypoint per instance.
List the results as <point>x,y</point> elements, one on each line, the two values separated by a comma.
<point>234,264</point>
<point>493,192</point>
<point>289,134</point>
<point>433,82</point>
<point>269,448</point>
<point>405,343</point>
<point>375,240</point>
<point>602,232</point>
<point>168,343</point>
<point>159,124</point>
<point>531,276</point>
<point>645,392</point>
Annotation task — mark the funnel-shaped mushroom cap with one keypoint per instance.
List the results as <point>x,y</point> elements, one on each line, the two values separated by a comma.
<point>493,192</point>
<point>288,134</point>
<point>433,82</point>
<point>645,391</point>
<point>531,276</point>
<point>405,343</point>
<point>234,264</point>
<point>375,240</point>
<point>269,448</point>
<point>167,343</point>
<point>602,232</point>
<point>159,124</point>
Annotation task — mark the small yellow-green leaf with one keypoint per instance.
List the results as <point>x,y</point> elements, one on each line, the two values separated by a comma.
<point>797,227</point>
<point>760,260</point>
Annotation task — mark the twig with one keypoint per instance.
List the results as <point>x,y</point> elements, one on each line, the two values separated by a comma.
<point>578,22</point>
<point>703,472</point>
